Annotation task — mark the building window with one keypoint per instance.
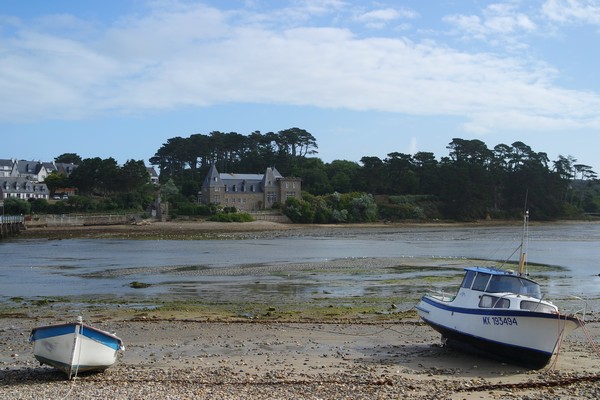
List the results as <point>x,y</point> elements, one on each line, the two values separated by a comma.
<point>226,188</point>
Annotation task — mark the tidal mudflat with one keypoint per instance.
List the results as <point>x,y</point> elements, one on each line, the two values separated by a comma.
<point>339,328</point>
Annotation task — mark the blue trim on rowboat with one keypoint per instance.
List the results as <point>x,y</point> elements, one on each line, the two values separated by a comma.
<point>99,336</point>
<point>51,331</point>
<point>497,311</point>
<point>524,356</point>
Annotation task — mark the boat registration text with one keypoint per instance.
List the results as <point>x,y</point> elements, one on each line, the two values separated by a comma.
<point>500,321</point>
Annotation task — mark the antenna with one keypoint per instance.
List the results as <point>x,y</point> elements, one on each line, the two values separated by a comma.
<point>524,237</point>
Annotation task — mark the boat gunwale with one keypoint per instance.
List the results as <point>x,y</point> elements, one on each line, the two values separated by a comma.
<point>497,311</point>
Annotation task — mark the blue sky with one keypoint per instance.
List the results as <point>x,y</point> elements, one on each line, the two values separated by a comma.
<point>366,78</point>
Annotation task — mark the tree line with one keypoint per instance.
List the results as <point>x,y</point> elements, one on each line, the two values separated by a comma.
<point>471,182</point>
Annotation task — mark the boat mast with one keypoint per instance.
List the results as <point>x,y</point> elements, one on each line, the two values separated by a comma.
<point>524,239</point>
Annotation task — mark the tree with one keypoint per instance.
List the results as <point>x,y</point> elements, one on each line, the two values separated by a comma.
<point>564,166</point>
<point>372,178</point>
<point>314,176</point>
<point>132,176</point>
<point>467,189</point>
<point>585,171</point>
<point>343,175</point>
<point>469,151</point>
<point>14,206</point>
<point>55,180</point>
<point>95,175</point>
<point>296,142</point>
<point>173,156</point>
<point>401,176</point>
<point>68,158</point>
<point>426,168</point>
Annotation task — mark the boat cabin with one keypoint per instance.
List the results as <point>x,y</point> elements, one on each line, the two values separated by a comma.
<point>503,289</point>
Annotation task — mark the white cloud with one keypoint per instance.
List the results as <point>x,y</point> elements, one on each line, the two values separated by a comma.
<point>496,19</point>
<point>572,11</point>
<point>380,18</point>
<point>196,56</point>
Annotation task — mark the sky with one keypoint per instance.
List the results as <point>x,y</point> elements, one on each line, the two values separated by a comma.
<point>118,78</point>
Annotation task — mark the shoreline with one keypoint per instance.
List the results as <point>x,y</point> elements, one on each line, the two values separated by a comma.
<point>202,230</point>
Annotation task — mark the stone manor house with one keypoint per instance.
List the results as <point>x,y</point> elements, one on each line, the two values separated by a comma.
<point>248,192</point>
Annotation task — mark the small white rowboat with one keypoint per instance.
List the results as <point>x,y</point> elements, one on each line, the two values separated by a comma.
<point>75,347</point>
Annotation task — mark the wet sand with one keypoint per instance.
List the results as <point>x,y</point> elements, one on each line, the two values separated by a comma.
<point>187,354</point>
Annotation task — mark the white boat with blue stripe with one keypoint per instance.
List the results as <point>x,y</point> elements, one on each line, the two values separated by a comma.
<point>75,347</point>
<point>500,314</point>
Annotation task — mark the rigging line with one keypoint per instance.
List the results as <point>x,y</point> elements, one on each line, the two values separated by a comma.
<point>589,337</point>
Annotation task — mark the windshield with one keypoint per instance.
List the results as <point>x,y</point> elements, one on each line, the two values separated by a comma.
<point>514,284</point>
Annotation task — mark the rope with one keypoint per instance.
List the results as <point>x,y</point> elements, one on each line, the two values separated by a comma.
<point>559,341</point>
<point>74,377</point>
<point>589,337</point>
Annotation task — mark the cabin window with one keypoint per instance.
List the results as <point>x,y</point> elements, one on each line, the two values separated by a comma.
<point>493,302</point>
<point>536,306</point>
<point>500,284</point>
<point>514,284</point>
<point>481,281</point>
<point>468,280</point>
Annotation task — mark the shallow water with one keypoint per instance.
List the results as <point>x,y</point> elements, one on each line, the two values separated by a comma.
<point>30,268</point>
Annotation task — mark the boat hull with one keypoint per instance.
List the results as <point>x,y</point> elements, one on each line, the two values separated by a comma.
<point>518,337</point>
<point>75,347</point>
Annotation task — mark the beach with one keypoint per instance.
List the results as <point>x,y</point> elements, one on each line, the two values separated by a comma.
<point>188,353</point>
